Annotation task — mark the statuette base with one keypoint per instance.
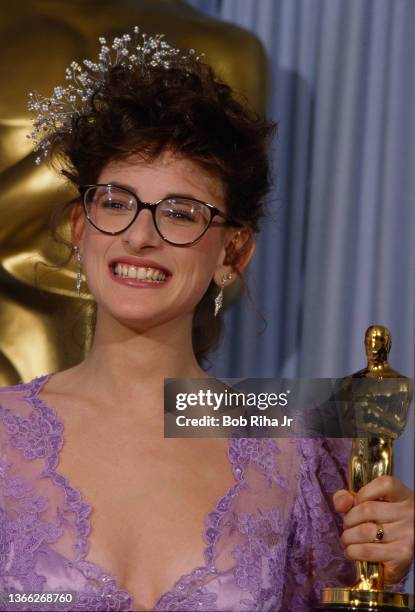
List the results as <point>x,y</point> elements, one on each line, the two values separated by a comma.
<point>353,599</point>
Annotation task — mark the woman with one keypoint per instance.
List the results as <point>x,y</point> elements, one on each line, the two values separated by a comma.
<point>172,170</point>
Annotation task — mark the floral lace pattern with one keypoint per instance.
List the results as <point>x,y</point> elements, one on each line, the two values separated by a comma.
<point>272,540</point>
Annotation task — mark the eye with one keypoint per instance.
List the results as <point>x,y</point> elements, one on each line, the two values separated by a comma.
<point>112,204</point>
<point>180,211</point>
<point>174,213</point>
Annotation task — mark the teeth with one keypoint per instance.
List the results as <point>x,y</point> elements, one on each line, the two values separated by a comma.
<point>134,272</point>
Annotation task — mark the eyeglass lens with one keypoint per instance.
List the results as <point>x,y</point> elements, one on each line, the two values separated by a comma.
<point>179,220</point>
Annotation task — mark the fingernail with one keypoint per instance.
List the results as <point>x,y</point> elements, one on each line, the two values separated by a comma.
<point>341,495</point>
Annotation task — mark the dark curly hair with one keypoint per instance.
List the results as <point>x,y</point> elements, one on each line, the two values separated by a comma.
<point>185,109</point>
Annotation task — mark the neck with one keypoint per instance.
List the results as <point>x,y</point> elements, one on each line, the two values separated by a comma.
<point>126,367</point>
<point>377,364</point>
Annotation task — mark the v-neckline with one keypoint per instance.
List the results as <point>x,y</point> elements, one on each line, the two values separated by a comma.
<point>211,519</point>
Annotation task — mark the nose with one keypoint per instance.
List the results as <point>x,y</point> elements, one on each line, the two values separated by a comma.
<point>142,232</point>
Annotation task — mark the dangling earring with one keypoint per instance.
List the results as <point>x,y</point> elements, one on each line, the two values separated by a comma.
<point>78,270</point>
<point>219,297</point>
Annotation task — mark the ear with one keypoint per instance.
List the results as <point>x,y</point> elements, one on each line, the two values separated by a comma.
<point>77,224</point>
<point>239,250</point>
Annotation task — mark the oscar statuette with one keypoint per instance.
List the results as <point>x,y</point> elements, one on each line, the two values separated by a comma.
<point>375,403</point>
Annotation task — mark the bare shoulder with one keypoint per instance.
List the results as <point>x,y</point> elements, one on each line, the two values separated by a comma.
<point>68,394</point>
<point>63,381</point>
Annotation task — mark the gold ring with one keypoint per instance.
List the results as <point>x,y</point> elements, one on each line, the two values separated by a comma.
<point>380,533</point>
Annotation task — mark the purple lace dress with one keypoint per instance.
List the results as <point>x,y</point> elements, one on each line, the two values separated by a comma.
<point>272,541</point>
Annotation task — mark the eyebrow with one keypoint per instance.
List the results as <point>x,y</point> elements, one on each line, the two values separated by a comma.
<point>168,195</point>
<point>182,195</point>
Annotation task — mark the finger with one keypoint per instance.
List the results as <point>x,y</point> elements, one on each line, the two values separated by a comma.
<point>366,532</point>
<point>373,552</point>
<point>343,500</point>
<point>373,512</point>
<point>385,488</point>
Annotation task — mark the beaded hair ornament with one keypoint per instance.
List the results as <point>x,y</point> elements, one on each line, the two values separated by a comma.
<point>55,114</point>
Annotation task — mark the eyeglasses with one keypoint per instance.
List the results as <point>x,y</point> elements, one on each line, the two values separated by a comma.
<point>112,209</point>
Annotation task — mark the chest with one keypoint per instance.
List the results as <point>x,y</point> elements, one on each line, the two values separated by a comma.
<point>149,500</point>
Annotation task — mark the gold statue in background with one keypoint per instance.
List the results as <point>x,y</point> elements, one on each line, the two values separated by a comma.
<point>38,305</point>
<point>378,400</point>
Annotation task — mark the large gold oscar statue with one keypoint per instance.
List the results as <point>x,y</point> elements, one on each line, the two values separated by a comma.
<point>38,305</point>
<point>376,400</point>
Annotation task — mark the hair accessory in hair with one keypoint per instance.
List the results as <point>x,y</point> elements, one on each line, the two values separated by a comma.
<point>55,114</point>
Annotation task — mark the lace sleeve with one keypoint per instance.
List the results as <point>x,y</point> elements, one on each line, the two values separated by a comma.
<point>29,502</point>
<point>315,556</point>
<point>4,543</point>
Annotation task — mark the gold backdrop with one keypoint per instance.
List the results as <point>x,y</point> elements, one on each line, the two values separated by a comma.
<point>42,325</point>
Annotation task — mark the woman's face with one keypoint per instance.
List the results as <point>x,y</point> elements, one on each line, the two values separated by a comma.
<point>143,304</point>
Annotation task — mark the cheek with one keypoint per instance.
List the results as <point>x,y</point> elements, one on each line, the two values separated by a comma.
<point>93,260</point>
<point>195,270</point>
<point>206,260</point>
<point>212,245</point>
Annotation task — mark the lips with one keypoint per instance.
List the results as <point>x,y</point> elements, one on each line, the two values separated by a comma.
<point>132,282</point>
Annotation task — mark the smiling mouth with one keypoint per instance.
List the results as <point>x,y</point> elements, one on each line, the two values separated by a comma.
<point>138,273</point>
